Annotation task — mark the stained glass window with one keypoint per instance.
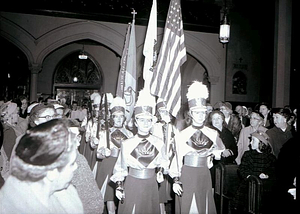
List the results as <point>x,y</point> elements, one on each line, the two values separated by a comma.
<point>72,70</point>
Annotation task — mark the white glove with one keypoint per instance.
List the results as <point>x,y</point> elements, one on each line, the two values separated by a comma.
<point>210,161</point>
<point>177,189</point>
<point>226,153</point>
<point>106,152</point>
<point>159,177</point>
<point>120,194</point>
<point>292,191</point>
<point>103,153</point>
<point>263,176</point>
<point>94,142</point>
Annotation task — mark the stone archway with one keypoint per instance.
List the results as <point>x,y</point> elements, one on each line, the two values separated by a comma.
<point>38,44</point>
<point>38,47</point>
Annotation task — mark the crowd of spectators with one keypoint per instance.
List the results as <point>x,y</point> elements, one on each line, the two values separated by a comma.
<point>260,140</point>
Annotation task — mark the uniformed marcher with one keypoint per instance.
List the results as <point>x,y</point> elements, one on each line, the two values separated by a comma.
<point>141,162</point>
<point>95,124</point>
<point>165,130</point>
<point>108,151</point>
<point>195,146</point>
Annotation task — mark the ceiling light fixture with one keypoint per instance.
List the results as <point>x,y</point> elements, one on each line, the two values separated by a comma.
<point>224,30</point>
<point>82,54</point>
<point>225,26</point>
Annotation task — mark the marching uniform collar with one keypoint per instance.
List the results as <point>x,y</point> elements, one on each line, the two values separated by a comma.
<point>143,136</point>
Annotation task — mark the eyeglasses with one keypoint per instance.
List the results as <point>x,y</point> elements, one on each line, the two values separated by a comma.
<point>143,120</point>
<point>47,117</point>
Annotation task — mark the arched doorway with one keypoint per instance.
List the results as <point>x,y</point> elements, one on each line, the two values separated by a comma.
<point>14,75</point>
<point>192,70</point>
<point>75,79</point>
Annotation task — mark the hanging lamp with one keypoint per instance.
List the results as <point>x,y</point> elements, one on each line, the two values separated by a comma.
<point>82,54</point>
<point>224,34</point>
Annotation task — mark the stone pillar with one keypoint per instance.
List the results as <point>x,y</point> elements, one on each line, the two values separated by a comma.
<point>35,69</point>
<point>282,53</point>
<point>215,88</point>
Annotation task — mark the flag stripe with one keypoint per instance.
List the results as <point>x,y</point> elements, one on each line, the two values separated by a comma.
<point>157,76</point>
<point>165,66</point>
<point>175,105</point>
<point>166,79</point>
<point>172,67</point>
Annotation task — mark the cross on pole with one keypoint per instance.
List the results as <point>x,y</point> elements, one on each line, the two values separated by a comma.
<point>133,13</point>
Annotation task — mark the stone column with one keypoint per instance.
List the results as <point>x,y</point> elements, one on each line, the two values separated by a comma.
<point>35,69</point>
<point>282,53</point>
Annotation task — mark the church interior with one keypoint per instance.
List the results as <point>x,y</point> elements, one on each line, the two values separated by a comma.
<point>41,41</point>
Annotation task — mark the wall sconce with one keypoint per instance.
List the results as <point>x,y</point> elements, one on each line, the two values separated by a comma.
<point>224,30</point>
<point>82,54</point>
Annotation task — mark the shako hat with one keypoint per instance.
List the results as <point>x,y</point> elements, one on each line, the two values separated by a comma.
<point>161,104</point>
<point>117,105</point>
<point>197,95</point>
<point>145,104</point>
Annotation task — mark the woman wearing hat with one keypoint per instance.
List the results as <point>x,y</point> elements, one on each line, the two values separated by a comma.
<point>140,158</point>
<point>42,168</point>
<point>195,145</point>
<point>258,161</point>
<point>41,113</point>
<point>256,124</point>
<point>108,151</point>
<point>11,130</point>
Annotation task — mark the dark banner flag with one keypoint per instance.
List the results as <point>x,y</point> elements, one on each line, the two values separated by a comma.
<point>123,63</point>
<point>127,81</point>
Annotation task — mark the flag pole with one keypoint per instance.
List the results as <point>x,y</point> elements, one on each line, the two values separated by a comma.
<point>166,79</point>
<point>150,46</point>
<point>123,64</point>
<point>127,80</point>
<point>133,14</point>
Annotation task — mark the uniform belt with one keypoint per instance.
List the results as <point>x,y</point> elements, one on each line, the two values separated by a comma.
<point>195,161</point>
<point>141,173</point>
<point>114,152</point>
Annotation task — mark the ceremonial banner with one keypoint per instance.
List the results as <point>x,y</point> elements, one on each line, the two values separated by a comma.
<point>166,80</point>
<point>123,64</point>
<point>127,79</point>
<point>149,51</point>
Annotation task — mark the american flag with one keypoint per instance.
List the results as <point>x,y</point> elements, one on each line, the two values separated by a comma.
<point>166,80</point>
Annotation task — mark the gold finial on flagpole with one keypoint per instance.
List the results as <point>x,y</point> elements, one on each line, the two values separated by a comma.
<point>133,13</point>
